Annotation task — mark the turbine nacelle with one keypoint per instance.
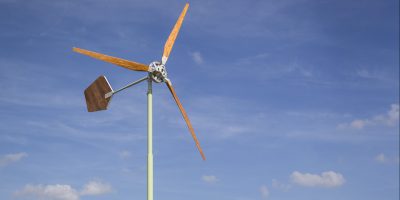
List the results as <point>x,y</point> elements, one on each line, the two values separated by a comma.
<point>158,72</point>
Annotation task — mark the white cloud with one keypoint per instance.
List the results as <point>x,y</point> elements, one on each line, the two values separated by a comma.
<point>125,154</point>
<point>393,115</point>
<point>358,124</point>
<point>391,118</point>
<point>384,159</point>
<point>48,192</point>
<point>11,158</point>
<point>374,75</point>
<point>96,188</point>
<point>366,74</point>
<point>197,57</point>
<point>326,179</point>
<point>381,158</point>
<point>278,185</point>
<point>209,178</point>
<point>62,192</point>
<point>264,192</point>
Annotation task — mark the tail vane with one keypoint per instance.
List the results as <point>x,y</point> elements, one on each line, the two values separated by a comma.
<point>97,94</point>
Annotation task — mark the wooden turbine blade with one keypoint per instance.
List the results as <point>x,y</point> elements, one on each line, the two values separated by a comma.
<point>116,61</point>
<point>95,95</point>
<point>171,89</point>
<point>172,37</point>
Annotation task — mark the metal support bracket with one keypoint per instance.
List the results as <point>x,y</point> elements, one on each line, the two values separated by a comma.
<point>109,94</point>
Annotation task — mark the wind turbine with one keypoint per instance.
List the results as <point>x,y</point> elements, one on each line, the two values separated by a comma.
<point>100,92</point>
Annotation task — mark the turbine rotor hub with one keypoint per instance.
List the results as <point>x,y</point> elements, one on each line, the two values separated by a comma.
<point>158,72</point>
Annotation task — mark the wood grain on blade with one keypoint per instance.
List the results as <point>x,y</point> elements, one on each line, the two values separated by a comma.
<point>117,61</point>
<point>95,95</point>
<point>185,117</point>
<point>174,33</point>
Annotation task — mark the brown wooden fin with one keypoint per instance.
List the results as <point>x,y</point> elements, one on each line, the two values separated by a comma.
<point>95,95</point>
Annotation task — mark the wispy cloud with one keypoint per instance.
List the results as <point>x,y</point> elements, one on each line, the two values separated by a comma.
<point>96,188</point>
<point>384,159</point>
<point>391,118</point>
<point>327,179</point>
<point>74,132</point>
<point>30,84</point>
<point>264,192</point>
<point>197,57</point>
<point>48,192</point>
<point>376,75</point>
<point>209,18</point>
<point>269,66</point>
<point>380,158</point>
<point>62,191</point>
<point>209,178</point>
<point>11,158</point>
<point>125,154</point>
<point>218,116</point>
<point>282,186</point>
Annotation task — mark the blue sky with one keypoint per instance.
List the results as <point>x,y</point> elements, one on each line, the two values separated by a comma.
<point>289,99</point>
